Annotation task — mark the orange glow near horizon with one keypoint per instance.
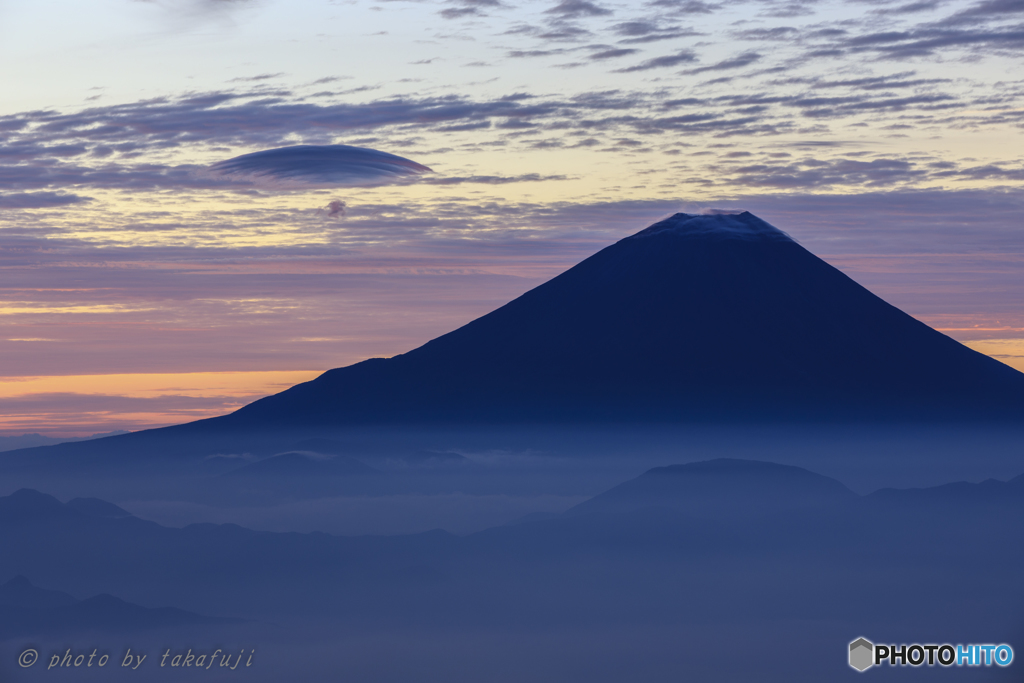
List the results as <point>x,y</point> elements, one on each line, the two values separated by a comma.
<point>154,385</point>
<point>1008,351</point>
<point>52,404</point>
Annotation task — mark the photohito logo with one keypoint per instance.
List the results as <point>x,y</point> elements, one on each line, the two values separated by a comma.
<point>864,654</point>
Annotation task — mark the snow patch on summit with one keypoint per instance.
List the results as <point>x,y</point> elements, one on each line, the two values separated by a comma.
<point>744,226</point>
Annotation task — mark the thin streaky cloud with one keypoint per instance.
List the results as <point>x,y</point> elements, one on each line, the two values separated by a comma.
<point>40,200</point>
<point>990,9</point>
<point>737,62</point>
<point>613,53</point>
<point>663,62</point>
<point>686,6</point>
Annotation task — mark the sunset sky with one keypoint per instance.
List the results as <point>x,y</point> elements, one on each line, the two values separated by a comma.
<point>143,284</point>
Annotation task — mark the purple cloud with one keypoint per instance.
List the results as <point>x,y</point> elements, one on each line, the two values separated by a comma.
<point>39,200</point>
<point>577,8</point>
<point>336,208</point>
<point>680,57</point>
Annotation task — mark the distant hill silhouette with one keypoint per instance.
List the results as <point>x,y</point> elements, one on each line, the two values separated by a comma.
<point>26,505</point>
<point>19,593</point>
<point>723,485</point>
<point>961,499</point>
<point>725,504</point>
<point>97,508</point>
<point>683,548</point>
<point>27,610</point>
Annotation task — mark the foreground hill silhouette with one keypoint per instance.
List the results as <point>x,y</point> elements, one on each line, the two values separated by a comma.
<point>755,554</point>
<point>696,316</point>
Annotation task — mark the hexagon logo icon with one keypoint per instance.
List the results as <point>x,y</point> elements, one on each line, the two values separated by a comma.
<point>862,654</point>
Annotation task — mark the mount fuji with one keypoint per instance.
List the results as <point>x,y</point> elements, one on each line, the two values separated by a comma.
<point>696,319</point>
<point>697,316</point>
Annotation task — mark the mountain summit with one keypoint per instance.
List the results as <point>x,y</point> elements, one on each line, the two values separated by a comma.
<point>697,316</point>
<point>741,226</point>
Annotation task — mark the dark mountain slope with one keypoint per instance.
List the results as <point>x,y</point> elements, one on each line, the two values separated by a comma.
<point>695,316</point>
<point>718,318</point>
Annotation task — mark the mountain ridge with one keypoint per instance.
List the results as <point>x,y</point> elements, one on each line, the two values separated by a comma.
<point>710,319</point>
<point>693,316</point>
<point>721,485</point>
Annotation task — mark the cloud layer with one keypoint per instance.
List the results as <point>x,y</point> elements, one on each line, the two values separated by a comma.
<point>229,210</point>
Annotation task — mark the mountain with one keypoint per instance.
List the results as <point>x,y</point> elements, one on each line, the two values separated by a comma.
<point>97,508</point>
<point>29,505</point>
<point>658,569</point>
<point>19,593</point>
<point>11,443</point>
<point>698,318</point>
<point>959,499</point>
<point>26,609</point>
<point>186,567</point>
<point>719,316</point>
<point>723,485</point>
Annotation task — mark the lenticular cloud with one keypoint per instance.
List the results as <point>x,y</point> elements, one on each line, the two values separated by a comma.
<point>319,165</point>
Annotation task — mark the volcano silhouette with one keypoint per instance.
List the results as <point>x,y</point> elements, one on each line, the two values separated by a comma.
<point>696,316</point>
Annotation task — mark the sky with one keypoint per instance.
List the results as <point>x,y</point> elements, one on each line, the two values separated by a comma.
<point>160,263</point>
